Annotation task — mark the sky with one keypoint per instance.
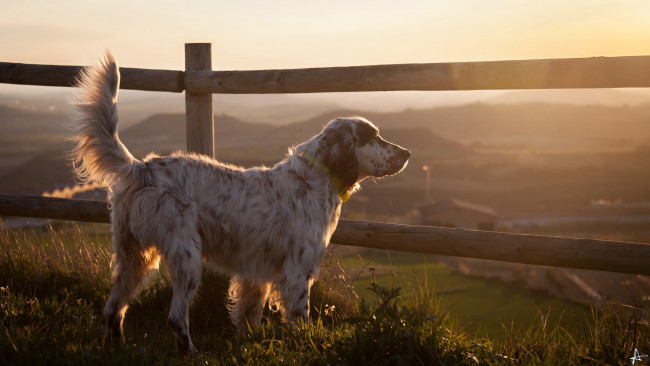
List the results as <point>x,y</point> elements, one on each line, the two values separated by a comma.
<point>287,34</point>
<point>301,33</point>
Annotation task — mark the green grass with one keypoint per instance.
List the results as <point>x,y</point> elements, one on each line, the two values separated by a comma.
<point>55,282</point>
<point>487,307</point>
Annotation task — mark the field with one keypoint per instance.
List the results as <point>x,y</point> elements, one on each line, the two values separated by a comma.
<point>371,308</point>
<point>485,307</point>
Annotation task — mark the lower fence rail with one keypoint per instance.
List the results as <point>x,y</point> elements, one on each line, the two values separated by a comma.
<point>601,255</point>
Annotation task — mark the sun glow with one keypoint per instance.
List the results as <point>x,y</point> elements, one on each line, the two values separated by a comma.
<point>286,34</point>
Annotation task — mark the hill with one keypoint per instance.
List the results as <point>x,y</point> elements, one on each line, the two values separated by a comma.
<point>43,172</point>
<point>536,125</point>
<point>510,157</point>
<point>244,141</point>
<point>533,124</point>
<point>24,129</point>
<point>586,97</point>
<point>236,141</point>
<point>164,133</point>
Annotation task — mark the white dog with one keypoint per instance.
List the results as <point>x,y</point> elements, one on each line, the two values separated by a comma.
<point>266,227</point>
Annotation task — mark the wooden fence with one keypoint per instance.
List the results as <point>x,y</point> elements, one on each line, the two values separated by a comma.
<point>199,82</point>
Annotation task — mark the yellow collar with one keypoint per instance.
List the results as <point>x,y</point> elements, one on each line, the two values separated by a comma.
<point>343,193</point>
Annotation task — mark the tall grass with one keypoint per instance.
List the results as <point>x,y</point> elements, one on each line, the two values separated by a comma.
<point>54,283</point>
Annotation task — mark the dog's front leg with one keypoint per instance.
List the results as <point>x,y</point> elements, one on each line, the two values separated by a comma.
<point>295,296</point>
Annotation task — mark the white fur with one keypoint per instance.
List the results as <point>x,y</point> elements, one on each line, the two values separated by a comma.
<point>266,227</point>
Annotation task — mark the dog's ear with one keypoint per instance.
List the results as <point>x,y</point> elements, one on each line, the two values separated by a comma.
<point>337,151</point>
<point>364,133</point>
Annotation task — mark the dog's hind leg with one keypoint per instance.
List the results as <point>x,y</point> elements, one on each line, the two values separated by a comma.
<point>129,265</point>
<point>185,268</point>
<point>247,301</point>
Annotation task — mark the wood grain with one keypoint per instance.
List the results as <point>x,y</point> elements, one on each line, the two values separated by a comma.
<point>592,72</point>
<point>595,72</point>
<point>199,112</point>
<point>518,248</point>
<point>54,208</point>
<point>52,75</point>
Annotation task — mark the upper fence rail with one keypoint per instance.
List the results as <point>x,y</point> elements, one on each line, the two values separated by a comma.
<point>592,72</point>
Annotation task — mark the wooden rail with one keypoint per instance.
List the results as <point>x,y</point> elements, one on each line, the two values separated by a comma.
<point>54,208</point>
<point>518,248</point>
<point>623,257</point>
<point>594,72</point>
<point>598,72</point>
<point>53,75</point>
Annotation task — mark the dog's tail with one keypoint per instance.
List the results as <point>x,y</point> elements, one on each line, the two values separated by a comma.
<point>99,155</point>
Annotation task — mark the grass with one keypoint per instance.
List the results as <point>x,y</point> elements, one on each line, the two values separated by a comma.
<point>54,284</point>
<point>500,304</point>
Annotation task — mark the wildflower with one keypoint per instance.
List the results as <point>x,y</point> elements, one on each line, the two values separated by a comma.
<point>329,310</point>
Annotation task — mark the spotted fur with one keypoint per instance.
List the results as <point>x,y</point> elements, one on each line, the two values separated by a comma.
<point>266,227</point>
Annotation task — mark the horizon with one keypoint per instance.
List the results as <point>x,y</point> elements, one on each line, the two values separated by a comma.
<point>281,109</point>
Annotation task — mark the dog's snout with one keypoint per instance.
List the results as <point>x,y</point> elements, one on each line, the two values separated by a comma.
<point>403,153</point>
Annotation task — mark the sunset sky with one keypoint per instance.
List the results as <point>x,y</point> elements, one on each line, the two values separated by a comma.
<point>287,34</point>
<point>299,33</point>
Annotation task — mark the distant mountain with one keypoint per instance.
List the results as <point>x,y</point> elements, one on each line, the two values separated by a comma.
<point>237,139</point>
<point>32,141</point>
<point>604,97</point>
<point>166,132</point>
<point>421,140</point>
<point>45,171</point>
<point>236,142</point>
<point>26,132</point>
<point>16,120</point>
<point>24,128</point>
<point>411,136</point>
<point>534,124</point>
<point>169,126</point>
<point>134,106</point>
<point>508,179</point>
<point>58,100</point>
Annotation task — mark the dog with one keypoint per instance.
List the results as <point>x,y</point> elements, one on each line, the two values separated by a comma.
<point>268,228</point>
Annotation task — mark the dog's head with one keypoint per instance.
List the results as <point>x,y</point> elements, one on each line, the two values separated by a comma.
<point>352,150</point>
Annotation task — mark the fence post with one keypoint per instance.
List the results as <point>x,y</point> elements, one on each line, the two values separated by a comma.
<point>199,116</point>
